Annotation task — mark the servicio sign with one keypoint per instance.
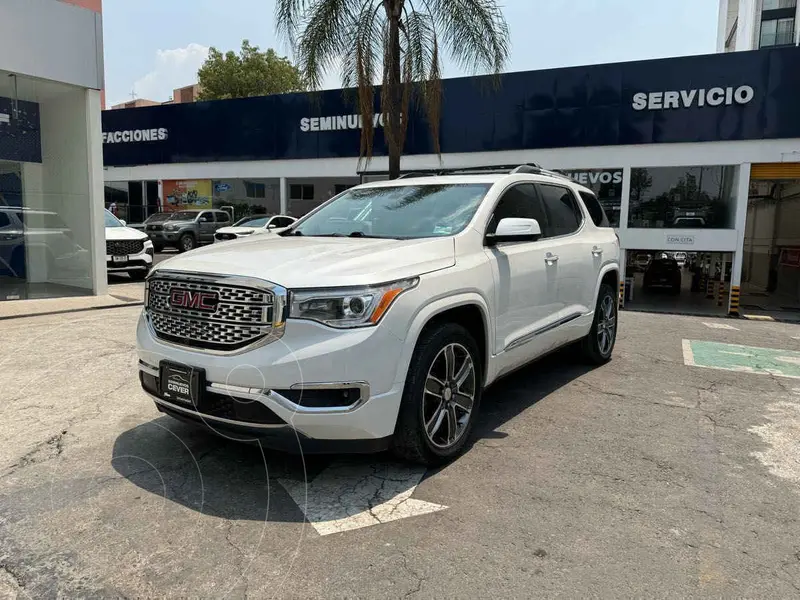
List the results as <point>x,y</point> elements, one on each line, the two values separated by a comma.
<point>715,96</point>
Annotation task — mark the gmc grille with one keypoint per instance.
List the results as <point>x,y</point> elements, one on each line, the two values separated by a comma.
<point>244,314</point>
<point>124,247</point>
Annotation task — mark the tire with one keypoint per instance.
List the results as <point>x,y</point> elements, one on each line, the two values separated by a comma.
<point>427,371</point>
<point>138,275</point>
<point>186,243</point>
<point>595,352</point>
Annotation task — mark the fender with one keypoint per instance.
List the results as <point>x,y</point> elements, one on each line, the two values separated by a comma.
<point>429,311</point>
<point>609,266</point>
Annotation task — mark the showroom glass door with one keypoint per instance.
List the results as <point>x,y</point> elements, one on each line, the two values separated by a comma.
<point>12,240</point>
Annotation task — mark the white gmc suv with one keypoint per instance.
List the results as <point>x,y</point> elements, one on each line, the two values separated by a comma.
<point>378,319</point>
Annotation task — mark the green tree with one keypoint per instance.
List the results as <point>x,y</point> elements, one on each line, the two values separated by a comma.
<point>249,73</point>
<point>399,44</point>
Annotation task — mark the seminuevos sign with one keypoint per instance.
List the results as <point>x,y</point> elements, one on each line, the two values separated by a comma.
<point>714,98</point>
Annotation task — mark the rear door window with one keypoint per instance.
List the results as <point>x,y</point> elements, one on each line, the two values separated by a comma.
<point>563,214</point>
<point>594,208</point>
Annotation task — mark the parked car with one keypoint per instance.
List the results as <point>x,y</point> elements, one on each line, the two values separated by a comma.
<point>187,229</point>
<point>358,333</point>
<point>642,261</point>
<point>27,231</point>
<point>253,225</point>
<point>663,272</point>
<point>127,250</point>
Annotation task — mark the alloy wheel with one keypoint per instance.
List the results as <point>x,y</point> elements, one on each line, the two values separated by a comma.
<point>606,325</point>
<point>449,396</point>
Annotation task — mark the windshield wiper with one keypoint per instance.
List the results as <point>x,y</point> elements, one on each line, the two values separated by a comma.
<point>352,234</point>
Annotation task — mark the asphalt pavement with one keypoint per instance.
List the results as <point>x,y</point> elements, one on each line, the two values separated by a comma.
<point>672,471</point>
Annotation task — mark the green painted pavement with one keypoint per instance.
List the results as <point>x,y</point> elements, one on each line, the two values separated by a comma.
<point>746,359</point>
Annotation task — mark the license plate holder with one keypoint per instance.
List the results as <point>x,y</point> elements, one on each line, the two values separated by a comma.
<point>181,384</point>
<point>119,260</point>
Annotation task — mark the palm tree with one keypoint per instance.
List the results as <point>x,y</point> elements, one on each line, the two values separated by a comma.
<point>396,42</point>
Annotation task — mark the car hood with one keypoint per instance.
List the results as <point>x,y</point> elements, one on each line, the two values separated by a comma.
<point>124,233</point>
<point>239,230</point>
<point>296,262</point>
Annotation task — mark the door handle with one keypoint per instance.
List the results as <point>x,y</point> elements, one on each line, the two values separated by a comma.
<point>597,251</point>
<point>550,258</point>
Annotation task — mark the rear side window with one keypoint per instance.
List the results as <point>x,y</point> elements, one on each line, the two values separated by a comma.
<point>520,201</point>
<point>222,217</point>
<point>563,215</point>
<point>595,209</point>
<point>281,221</point>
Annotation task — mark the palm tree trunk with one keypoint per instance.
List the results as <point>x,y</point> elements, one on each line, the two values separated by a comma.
<point>394,142</point>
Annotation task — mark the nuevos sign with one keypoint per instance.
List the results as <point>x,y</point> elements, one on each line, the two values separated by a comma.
<point>715,96</point>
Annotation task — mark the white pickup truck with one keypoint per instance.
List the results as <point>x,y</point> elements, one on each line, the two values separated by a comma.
<point>377,320</point>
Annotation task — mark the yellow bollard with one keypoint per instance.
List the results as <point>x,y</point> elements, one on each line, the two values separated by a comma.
<point>734,308</point>
<point>622,293</point>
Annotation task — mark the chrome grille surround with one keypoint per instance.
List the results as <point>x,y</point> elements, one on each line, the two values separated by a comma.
<point>251,312</point>
<point>124,247</point>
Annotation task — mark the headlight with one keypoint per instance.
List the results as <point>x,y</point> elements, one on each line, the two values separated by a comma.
<point>148,243</point>
<point>351,307</point>
<point>170,227</point>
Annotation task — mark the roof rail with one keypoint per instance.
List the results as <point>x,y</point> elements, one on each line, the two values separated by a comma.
<point>529,168</point>
<point>417,174</point>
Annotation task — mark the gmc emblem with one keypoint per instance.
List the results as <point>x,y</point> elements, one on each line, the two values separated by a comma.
<point>205,301</point>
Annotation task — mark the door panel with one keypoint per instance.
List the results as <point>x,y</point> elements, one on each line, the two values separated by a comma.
<point>526,297</point>
<point>572,241</point>
<point>525,291</point>
<point>206,228</point>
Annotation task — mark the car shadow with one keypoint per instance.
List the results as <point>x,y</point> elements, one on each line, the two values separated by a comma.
<point>186,464</point>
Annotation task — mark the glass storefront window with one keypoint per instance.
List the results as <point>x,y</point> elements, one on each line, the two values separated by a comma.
<point>683,197</point>
<point>248,196</point>
<point>606,185</point>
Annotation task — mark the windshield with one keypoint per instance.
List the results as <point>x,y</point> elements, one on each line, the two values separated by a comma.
<point>252,222</point>
<point>405,212</point>
<point>158,217</point>
<point>112,221</point>
<point>183,215</point>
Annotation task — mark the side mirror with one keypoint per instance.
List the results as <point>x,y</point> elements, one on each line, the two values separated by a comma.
<point>513,229</point>
<point>272,226</point>
<point>124,224</point>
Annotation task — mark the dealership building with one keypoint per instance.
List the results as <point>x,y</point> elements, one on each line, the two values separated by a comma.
<point>51,163</point>
<point>695,159</point>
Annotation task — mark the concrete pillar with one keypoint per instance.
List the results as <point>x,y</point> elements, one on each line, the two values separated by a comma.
<point>742,193</point>
<point>740,223</point>
<point>96,190</point>
<point>623,227</point>
<point>625,201</point>
<point>284,186</point>
<point>747,29</point>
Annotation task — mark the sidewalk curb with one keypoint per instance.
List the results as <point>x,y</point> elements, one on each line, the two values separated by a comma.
<point>72,310</point>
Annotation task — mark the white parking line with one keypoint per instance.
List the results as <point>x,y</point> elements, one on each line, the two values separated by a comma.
<point>351,496</point>
<point>719,326</point>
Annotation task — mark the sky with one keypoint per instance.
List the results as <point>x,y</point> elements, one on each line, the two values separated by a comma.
<point>155,46</point>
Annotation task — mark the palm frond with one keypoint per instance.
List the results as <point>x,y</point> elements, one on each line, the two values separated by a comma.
<point>362,36</point>
<point>475,31</point>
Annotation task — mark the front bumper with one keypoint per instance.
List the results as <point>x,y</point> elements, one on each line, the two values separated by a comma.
<point>132,262</point>
<point>309,356</point>
<point>164,237</point>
